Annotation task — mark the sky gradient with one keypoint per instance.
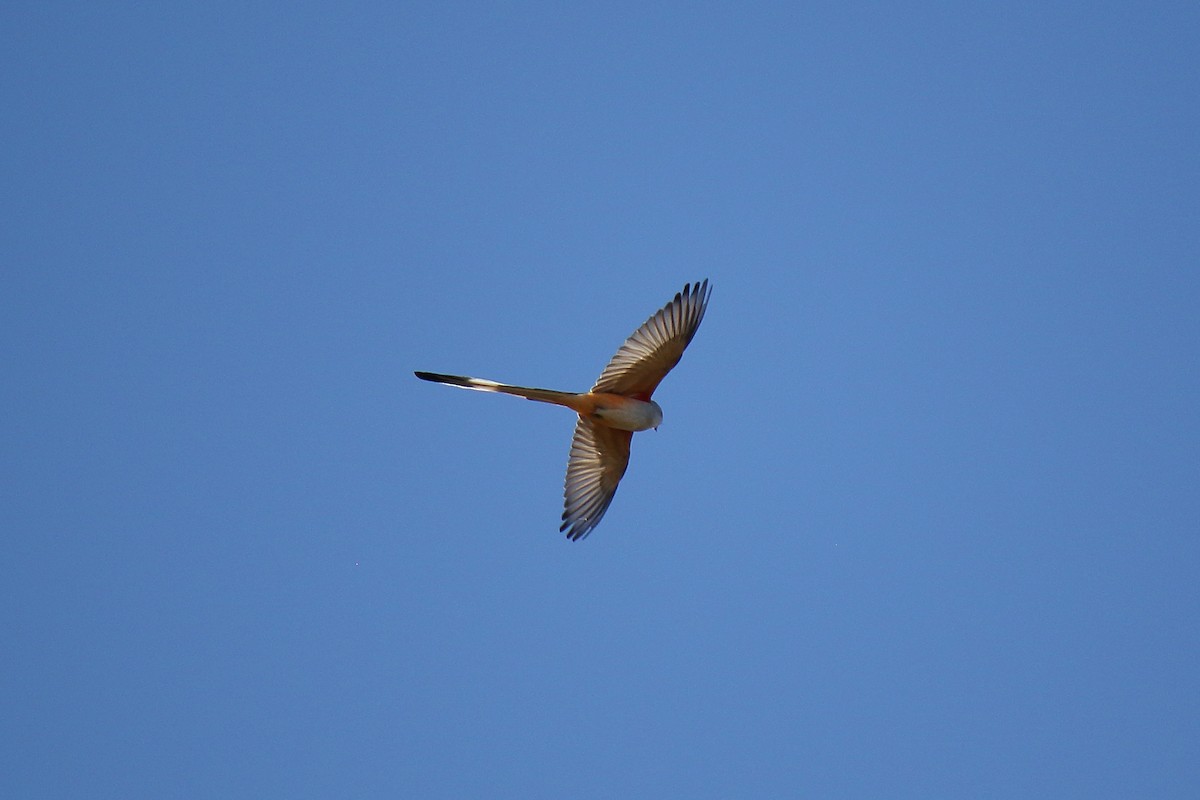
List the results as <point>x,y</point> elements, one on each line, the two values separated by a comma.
<point>921,518</point>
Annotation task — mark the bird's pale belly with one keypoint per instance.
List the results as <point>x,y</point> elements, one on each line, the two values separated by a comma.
<point>626,413</point>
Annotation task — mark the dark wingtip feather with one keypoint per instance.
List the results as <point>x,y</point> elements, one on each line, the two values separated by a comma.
<point>575,533</point>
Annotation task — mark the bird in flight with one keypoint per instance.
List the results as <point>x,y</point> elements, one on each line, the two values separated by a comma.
<point>616,406</point>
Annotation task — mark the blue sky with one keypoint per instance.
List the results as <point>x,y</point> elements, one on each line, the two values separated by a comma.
<point>921,520</point>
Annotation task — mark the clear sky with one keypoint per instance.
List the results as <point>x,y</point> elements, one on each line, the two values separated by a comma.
<point>921,520</point>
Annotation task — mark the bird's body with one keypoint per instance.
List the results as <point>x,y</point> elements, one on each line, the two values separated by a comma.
<point>617,406</point>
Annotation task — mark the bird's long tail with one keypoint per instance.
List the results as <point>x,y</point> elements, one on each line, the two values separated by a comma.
<point>481,385</point>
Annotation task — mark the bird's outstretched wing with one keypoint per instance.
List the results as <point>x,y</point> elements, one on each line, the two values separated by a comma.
<point>599,456</point>
<point>649,354</point>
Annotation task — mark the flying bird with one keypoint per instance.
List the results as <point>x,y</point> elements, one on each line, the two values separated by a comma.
<point>617,406</point>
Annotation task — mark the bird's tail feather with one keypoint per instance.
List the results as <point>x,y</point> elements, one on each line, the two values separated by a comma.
<point>481,385</point>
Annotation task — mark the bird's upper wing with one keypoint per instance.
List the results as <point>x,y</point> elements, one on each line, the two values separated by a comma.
<point>653,349</point>
<point>599,456</point>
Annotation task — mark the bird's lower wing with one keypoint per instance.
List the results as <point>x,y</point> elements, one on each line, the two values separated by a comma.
<point>599,456</point>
